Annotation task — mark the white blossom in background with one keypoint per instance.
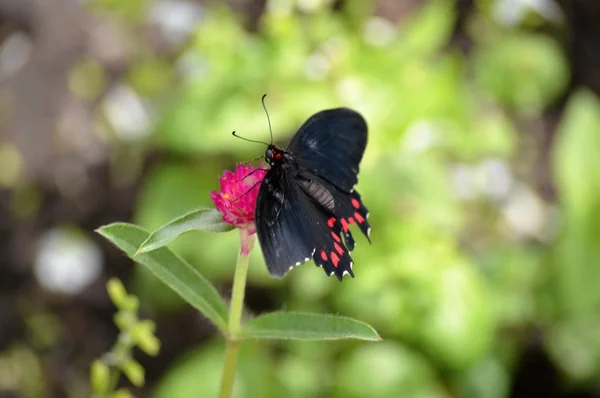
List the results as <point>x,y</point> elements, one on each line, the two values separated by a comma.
<point>379,31</point>
<point>280,7</point>
<point>66,262</point>
<point>420,136</point>
<point>14,53</point>
<point>127,113</point>
<point>317,66</point>
<point>309,6</point>
<point>463,182</point>
<point>495,178</point>
<point>191,66</point>
<point>491,178</point>
<point>175,19</point>
<point>331,53</point>
<point>512,12</point>
<point>351,89</point>
<point>525,213</point>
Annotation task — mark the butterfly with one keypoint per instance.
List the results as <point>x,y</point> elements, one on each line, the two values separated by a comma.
<point>307,202</point>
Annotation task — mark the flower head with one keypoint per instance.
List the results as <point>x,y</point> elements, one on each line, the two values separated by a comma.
<point>237,198</point>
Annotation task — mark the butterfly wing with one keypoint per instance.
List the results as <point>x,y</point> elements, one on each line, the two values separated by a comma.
<point>293,227</point>
<point>331,253</point>
<point>338,211</point>
<point>331,144</point>
<point>283,227</point>
<point>307,203</point>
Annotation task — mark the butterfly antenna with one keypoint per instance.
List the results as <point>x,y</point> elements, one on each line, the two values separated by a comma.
<point>268,118</point>
<point>249,140</point>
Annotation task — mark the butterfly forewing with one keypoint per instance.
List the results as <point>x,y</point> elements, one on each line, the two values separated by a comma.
<point>331,145</point>
<point>282,225</point>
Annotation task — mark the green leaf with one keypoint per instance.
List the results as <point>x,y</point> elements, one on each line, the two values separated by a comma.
<point>171,269</point>
<point>510,70</point>
<point>302,326</point>
<point>209,220</point>
<point>576,160</point>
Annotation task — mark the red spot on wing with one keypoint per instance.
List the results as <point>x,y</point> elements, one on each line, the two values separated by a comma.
<point>351,220</point>
<point>323,255</point>
<point>345,224</point>
<point>335,236</point>
<point>338,248</point>
<point>335,259</point>
<point>331,222</point>
<point>359,218</point>
<point>355,203</point>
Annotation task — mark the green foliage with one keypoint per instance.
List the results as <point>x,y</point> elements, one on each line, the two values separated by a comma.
<point>386,370</point>
<point>150,78</point>
<point>171,270</point>
<point>197,291</point>
<point>209,220</point>
<point>299,326</point>
<point>577,160</point>
<point>197,373</point>
<point>105,372</point>
<point>524,71</point>
<point>129,11</point>
<point>573,341</point>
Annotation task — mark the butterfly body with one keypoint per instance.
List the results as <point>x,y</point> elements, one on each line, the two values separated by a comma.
<point>307,202</point>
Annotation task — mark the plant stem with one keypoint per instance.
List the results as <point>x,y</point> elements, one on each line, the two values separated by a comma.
<point>231,355</point>
<point>232,348</point>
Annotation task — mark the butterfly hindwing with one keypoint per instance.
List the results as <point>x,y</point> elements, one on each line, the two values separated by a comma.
<point>331,144</point>
<point>346,207</point>
<point>353,211</point>
<point>333,212</point>
<point>331,253</point>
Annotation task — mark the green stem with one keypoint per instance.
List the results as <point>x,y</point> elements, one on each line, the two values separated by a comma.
<point>232,348</point>
<point>231,355</point>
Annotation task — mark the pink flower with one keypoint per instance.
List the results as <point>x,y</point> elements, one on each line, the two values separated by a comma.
<point>237,198</point>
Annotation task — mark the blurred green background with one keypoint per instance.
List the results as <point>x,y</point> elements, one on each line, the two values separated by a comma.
<point>482,175</point>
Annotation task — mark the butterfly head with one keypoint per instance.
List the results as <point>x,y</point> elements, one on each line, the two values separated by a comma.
<point>273,155</point>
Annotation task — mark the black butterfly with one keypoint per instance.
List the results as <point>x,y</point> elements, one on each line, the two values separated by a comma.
<point>307,200</point>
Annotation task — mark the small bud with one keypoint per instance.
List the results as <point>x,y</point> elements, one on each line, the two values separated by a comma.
<point>122,393</point>
<point>143,335</point>
<point>124,320</point>
<point>100,377</point>
<point>134,372</point>
<point>117,292</point>
<point>131,303</point>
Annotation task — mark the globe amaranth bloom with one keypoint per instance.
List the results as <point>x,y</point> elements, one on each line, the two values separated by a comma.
<point>237,198</point>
